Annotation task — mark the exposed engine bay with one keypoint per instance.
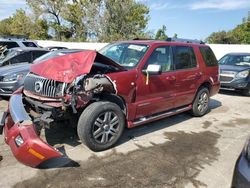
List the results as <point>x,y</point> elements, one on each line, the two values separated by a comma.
<point>48,101</point>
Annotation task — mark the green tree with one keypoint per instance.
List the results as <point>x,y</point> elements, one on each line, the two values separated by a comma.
<point>123,19</point>
<point>74,14</point>
<point>40,30</point>
<point>84,18</point>
<point>239,35</point>
<point>80,20</point>
<point>5,28</point>
<point>220,37</point>
<point>21,24</point>
<point>52,10</point>
<point>161,33</point>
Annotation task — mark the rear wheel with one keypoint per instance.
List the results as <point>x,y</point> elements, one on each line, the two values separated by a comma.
<point>200,105</point>
<point>101,125</point>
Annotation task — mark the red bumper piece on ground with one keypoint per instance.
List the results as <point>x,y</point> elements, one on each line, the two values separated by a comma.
<point>20,134</point>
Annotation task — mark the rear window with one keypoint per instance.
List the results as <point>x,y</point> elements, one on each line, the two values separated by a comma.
<point>208,56</point>
<point>9,44</point>
<point>29,44</point>
<point>37,54</point>
<point>184,57</point>
<point>21,58</point>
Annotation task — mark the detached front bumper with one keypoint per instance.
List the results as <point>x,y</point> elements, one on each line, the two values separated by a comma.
<point>20,134</point>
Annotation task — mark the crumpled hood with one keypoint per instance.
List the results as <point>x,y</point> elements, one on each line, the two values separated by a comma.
<point>14,69</point>
<point>67,67</point>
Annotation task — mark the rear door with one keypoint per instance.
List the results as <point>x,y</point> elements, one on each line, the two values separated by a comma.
<point>211,68</point>
<point>187,75</point>
<point>156,93</point>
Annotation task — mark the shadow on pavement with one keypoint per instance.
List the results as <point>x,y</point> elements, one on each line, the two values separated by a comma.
<point>231,93</point>
<point>162,124</point>
<point>63,133</point>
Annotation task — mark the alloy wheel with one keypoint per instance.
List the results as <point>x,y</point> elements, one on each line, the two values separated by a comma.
<point>203,102</point>
<point>106,127</point>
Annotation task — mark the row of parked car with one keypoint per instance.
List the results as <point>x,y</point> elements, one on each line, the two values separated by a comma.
<point>15,63</point>
<point>126,84</point>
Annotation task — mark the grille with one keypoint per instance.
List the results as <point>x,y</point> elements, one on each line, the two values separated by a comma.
<point>43,86</point>
<point>226,79</point>
<point>227,76</point>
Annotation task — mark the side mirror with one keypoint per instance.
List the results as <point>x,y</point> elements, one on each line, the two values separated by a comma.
<point>153,70</point>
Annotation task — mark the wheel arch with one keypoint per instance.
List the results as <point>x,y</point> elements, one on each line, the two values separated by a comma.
<point>114,99</point>
<point>206,84</point>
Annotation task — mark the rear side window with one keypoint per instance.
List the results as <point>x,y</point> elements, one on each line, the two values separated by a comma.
<point>208,56</point>
<point>184,57</point>
<point>9,44</point>
<point>29,44</point>
<point>21,58</point>
<point>37,54</point>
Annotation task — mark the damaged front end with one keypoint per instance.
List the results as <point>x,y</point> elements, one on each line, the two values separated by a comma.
<point>21,135</point>
<point>44,101</point>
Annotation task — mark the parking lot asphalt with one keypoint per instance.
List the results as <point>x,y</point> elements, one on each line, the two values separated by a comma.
<point>179,151</point>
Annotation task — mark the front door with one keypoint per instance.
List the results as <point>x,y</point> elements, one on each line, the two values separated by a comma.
<point>155,93</point>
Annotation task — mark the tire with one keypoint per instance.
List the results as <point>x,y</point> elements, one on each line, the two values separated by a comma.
<point>200,104</point>
<point>246,92</point>
<point>101,125</point>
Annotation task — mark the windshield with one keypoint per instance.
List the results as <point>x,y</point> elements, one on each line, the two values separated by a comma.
<point>53,54</point>
<point>125,54</point>
<point>235,60</point>
<point>9,55</point>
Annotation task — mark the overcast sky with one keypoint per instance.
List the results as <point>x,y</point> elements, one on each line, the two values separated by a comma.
<point>188,18</point>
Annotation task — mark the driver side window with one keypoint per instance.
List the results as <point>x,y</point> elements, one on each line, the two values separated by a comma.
<point>161,56</point>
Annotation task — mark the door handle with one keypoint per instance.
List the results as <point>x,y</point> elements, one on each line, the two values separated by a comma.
<point>171,78</point>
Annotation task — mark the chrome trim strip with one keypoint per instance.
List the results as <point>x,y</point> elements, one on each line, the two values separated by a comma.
<point>161,115</point>
<point>228,74</point>
<point>17,111</point>
<point>228,89</point>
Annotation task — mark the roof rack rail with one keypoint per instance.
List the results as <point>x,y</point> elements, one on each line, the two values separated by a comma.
<point>137,38</point>
<point>173,39</point>
<point>10,37</point>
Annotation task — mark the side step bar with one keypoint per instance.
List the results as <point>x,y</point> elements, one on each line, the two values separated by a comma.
<point>158,116</point>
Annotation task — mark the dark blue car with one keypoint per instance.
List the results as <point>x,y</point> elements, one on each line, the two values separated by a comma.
<point>241,177</point>
<point>235,72</point>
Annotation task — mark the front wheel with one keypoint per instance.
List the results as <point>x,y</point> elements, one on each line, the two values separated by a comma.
<point>200,104</point>
<point>101,125</point>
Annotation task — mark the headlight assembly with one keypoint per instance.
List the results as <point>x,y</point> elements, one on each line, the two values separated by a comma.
<point>14,77</point>
<point>9,78</point>
<point>242,74</point>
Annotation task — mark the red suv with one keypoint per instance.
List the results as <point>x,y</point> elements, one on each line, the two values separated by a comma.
<point>126,84</point>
